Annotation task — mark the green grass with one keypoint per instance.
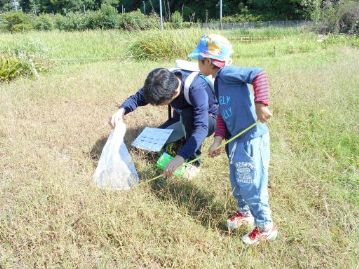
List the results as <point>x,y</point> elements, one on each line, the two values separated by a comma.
<point>69,47</point>
<point>52,130</point>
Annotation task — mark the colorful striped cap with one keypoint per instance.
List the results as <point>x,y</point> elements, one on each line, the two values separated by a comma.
<point>214,47</point>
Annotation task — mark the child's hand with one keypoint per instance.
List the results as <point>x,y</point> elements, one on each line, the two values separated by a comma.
<point>263,112</point>
<point>214,149</point>
<point>116,117</point>
<point>172,166</point>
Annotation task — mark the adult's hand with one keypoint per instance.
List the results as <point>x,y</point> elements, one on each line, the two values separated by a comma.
<point>116,117</point>
<point>173,165</point>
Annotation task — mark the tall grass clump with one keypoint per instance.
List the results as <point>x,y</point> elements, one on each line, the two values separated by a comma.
<point>12,67</point>
<point>176,20</point>
<point>23,56</point>
<point>163,45</point>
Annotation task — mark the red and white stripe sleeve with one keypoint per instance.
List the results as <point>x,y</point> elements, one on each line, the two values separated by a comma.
<point>221,129</point>
<point>261,89</point>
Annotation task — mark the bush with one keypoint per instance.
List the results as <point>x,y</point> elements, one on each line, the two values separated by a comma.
<point>17,22</point>
<point>72,21</point>
<point>60,22</point>
<point>184,25</point>
<point>348,17</point>
<point>107,17</point>
<point>355,28</point>
<point>44,22</point>
<point>94,19</point>
<point>241,18</point>
<point>21,27</point>
<point>339,18</point>
<point>2,22</point>
<point>135,20</point>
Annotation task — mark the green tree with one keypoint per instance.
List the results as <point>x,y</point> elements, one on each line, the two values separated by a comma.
<point>25,5</point>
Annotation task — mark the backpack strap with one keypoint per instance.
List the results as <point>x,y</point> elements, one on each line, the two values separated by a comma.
<point>210,81</point>
<point>187,85</point>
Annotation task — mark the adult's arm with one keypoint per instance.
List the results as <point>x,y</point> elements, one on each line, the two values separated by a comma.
<point>134,101</point>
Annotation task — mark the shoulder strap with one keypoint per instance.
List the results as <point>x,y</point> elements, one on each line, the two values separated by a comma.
<point>209,79</point>
<point>191,78</point>
<point>173,69</point>
<point>187,85</point>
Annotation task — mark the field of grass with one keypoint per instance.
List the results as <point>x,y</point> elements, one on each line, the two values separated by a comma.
<point>52,131</point>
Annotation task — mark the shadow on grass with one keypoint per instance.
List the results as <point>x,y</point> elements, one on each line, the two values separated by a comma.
<point>200,204</point>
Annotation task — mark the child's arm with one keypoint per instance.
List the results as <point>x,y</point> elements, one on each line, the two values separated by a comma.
<point>214,149</point>
<point>263,112</point>
<point>258,78</point>
<point>220,133</point>
<point>261,96</point>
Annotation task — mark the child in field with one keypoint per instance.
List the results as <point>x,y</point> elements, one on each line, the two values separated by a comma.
<point>249,153</point>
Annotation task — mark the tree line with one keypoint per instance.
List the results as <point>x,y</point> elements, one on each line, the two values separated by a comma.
<point>194,10</point>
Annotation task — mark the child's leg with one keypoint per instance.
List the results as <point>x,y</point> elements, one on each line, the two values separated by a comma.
<point>251,162</point>
<point>241,204</point>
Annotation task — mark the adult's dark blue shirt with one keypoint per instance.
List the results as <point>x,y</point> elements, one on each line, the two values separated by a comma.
<point>203,103</point>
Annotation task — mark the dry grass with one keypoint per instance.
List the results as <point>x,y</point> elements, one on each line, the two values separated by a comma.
<point>51,215</point>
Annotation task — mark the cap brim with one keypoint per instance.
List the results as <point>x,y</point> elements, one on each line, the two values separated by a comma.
<point>195,54</point>
<point>218,63</point>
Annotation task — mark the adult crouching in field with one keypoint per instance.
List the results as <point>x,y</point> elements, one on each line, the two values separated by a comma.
<point>196,112</point>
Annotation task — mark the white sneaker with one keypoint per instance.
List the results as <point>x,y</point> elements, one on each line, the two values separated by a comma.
<point>256,235</point>
<point>239,219</point>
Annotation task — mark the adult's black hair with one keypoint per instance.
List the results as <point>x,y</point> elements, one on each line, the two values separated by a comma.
<point>160,86</point>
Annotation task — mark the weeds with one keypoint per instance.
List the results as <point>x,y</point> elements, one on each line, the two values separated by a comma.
<point>12,67</point>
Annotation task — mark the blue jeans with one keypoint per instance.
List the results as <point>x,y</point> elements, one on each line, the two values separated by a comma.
<point>249,163</point>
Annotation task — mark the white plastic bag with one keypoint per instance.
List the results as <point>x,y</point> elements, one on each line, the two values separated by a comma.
<point>115,169</point>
